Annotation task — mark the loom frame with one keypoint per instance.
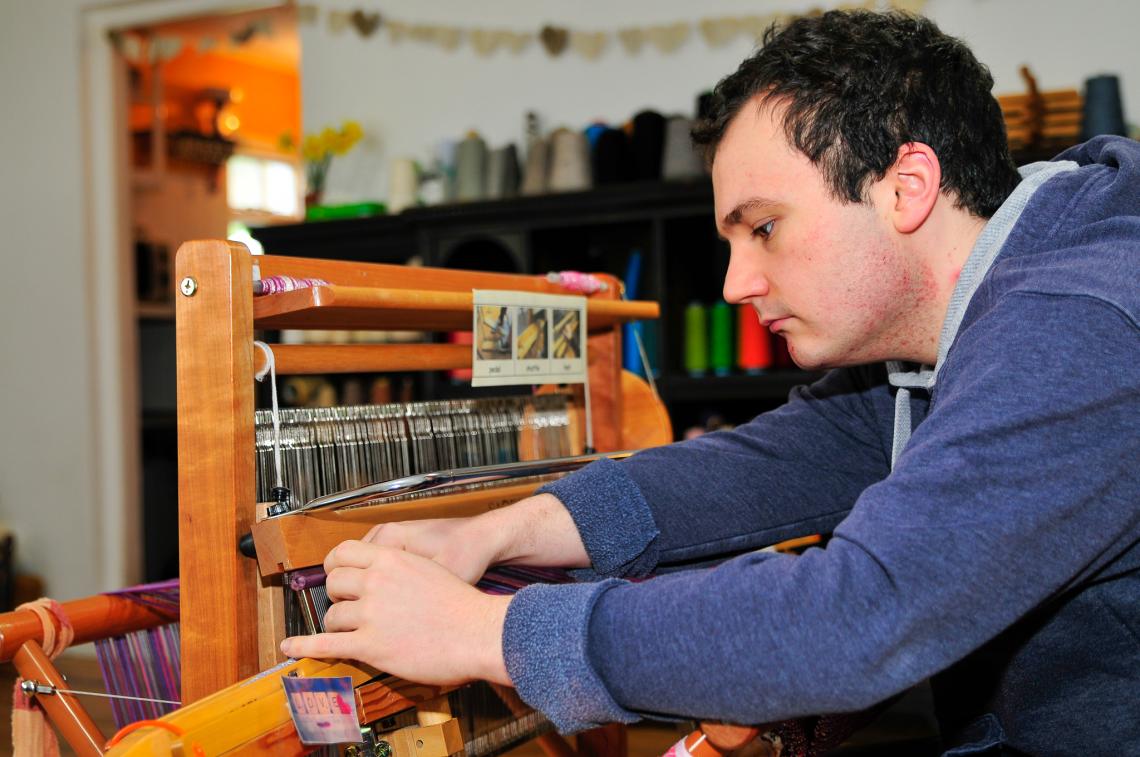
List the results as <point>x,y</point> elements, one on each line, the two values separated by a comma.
<point>230,634</point>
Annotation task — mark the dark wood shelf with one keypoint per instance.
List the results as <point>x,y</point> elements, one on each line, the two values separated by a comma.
<point>154,311</point>
<point>771,385</point>
<point>615,202</point>
<point>669,223</point>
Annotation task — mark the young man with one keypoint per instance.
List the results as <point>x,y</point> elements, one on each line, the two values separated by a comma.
<point>974,453</point>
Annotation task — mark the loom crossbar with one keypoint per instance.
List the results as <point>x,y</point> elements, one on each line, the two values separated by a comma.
<point>91,618</point>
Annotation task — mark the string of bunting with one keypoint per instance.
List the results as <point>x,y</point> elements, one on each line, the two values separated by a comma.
<point>557,40</point>
<point>158,48</point>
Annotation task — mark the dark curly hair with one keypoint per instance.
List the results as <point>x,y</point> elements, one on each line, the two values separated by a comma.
<point>857,86</point>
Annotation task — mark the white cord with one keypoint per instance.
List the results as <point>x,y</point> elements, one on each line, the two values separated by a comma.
<point>645,362</point>
<point>46,688</point>
<point>590,448</point>
<point>271,369</point>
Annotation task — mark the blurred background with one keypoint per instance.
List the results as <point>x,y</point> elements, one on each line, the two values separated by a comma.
<point>506,135</point>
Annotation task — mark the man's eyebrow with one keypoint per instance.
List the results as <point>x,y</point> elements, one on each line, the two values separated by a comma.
<point>752,203</point>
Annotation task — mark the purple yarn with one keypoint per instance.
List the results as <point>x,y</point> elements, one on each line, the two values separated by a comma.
<point>275,284</point>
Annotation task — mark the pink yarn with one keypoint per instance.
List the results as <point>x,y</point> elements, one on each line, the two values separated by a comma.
<point>275,284</point>
<point>576,281</point>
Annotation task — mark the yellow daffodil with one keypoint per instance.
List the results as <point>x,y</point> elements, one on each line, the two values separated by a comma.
<point>318,150</point>
<point>312,150</point>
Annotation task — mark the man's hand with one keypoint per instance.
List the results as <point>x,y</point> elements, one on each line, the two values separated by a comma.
<point>409,616</point>
<point>536,531</point>
<point>454,543</point>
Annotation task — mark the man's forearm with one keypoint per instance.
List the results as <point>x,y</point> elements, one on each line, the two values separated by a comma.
<point>536,531</point>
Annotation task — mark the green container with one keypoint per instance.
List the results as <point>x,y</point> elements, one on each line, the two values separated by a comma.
<point>720,339</point>
<point>696,339</point>
<point>352,210</point>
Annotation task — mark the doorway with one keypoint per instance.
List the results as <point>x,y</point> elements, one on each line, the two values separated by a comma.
<point>212,114</point>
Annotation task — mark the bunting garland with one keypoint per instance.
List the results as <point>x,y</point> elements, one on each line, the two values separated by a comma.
<point>138,47</point>
<point>556,40</point>
<point>589,44</point>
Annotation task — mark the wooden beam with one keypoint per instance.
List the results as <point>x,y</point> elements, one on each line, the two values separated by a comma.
<point>216,489</point>
<point>308,359</point>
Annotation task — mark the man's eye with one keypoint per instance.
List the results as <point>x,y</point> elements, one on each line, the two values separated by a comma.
<point>764,230</point>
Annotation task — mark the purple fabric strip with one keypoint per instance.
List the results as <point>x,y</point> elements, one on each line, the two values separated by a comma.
<point>306,578</point>
<point>161,596</point>
<point>275,284</point>
<point>503,579</point>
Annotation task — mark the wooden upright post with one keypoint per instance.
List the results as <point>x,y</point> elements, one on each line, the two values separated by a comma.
<point>604,355</point>
<point>216,487</point>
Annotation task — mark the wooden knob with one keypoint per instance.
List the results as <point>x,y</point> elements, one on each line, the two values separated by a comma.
<point>727,737</point>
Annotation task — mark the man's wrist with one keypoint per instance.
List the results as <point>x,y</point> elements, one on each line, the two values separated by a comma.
<point>515,533</point>
<point>493,667</point>
<point>493,531</point>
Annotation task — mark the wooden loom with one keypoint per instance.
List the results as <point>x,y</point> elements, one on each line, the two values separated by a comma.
<point>230,635</point>
<point>223,639</point>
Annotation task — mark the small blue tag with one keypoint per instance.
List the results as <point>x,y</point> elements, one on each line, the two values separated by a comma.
<point>323,709</point>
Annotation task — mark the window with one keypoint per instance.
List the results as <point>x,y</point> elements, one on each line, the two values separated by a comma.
<point>257,185</point>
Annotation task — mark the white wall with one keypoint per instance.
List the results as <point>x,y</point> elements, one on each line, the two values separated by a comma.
<point>48,482</point>
<point>409,95</point>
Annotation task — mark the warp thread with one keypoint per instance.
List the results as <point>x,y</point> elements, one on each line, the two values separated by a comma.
<point>144,664</point>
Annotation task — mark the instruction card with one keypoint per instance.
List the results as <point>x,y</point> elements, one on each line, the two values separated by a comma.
<point>323,709</point>
<point>528,338</point>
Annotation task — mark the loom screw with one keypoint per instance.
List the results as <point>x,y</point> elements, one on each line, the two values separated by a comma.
<point>31,688</point>
<point>188,286</point>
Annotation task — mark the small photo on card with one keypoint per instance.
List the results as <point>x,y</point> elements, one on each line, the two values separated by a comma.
<point>567,336</point>
<point>493,332</point>
<point>533,328</point>
<point>532,333</point>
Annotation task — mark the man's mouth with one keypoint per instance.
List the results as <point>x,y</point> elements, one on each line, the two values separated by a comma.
<point>774,324</point>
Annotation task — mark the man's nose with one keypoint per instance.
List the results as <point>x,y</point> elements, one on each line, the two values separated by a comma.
<point>745,277</point>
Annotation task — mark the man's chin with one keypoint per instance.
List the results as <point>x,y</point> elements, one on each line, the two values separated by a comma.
<point>803,359</point>
<point>812,361</point>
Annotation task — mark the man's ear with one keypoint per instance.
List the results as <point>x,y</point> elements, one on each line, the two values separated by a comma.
<point>915,178</point>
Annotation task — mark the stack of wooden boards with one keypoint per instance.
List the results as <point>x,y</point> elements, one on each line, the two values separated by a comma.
<point>1041,122</point>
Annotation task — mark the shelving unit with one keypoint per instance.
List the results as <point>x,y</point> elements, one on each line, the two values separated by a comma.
<point>768,386</point>
<point>154,311</point>
<point>671,224</point>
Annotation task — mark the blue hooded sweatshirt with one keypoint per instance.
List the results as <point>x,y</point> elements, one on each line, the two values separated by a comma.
<point>999,556</point>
